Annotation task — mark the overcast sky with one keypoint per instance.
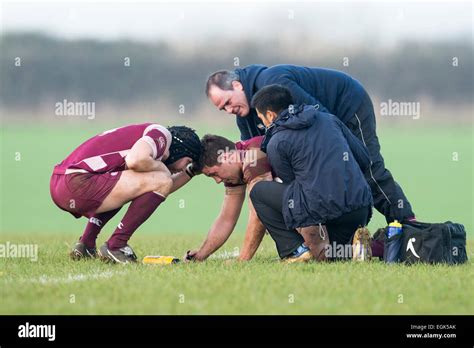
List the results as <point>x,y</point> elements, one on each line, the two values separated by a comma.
<point>340,22</point>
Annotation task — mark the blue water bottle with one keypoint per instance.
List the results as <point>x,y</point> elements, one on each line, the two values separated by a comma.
<point>393,242</point>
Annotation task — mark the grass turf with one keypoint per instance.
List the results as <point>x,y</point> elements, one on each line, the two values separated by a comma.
<point>434,166</point>
<point>56,285</point>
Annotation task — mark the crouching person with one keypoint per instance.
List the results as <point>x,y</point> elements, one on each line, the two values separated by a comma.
<point>323,197</point>
<point>140,163</point>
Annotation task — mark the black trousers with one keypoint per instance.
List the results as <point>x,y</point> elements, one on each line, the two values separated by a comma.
<point>389,198</point>
<point>267,199</point>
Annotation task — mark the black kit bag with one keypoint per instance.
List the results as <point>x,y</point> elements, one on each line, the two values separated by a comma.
<point>458,241</point>
<point>431,243</point>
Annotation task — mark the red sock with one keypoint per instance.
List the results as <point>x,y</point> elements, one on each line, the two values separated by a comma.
<point>94,225</point>
<point>139,211</point>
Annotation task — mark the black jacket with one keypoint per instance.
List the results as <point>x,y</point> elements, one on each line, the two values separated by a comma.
<point>322,161</point>
<point>334,91</point>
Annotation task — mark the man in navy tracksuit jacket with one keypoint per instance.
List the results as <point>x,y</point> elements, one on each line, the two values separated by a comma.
<point>320,164</point>
<point>335,92</point>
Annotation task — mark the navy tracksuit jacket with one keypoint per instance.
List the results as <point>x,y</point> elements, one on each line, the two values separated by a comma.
<point>339,94</point>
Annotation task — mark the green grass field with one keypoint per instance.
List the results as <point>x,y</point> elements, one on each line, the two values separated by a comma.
<point>433,165</point>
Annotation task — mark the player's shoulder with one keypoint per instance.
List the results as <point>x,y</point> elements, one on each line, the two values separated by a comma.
<point>150,126</point>
<point>158,137</point>
<point>252,143</point>
<point>156,131</point>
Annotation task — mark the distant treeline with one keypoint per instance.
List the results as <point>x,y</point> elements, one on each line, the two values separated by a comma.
<point>36,68</point>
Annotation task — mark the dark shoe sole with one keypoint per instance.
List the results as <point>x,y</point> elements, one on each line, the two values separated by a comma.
<point>106,256</point>
<point>76,255</point>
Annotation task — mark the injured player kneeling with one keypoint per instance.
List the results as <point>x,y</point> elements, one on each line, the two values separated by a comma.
<point>239,166</point>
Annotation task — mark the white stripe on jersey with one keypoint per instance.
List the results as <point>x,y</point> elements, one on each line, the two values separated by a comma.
<point>96,162</point>
<point>165,132</point>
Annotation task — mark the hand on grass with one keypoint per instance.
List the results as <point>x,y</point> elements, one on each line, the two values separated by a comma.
<point>190,255</point>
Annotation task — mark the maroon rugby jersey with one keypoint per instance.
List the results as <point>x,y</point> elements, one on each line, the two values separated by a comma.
<point>254,161</point>
<point>106,152</point>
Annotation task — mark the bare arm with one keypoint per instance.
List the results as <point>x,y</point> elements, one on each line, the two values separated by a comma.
<point>223,226</point>
<point>255,229</point>
<point>179,180</point>
<point>140,158</point>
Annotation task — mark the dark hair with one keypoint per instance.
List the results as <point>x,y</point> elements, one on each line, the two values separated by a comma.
<point>275,98</point>
<point>222,79</point>
<point>184,143</point>
<point>212,146</point>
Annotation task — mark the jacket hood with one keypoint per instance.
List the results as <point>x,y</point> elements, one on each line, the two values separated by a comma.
<point>303,116</point>
<point>247,77</point>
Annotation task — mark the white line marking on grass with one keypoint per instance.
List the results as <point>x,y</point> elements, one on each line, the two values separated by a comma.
<point>226,254</point>
<point>221,257</point>
<point>70,278</point>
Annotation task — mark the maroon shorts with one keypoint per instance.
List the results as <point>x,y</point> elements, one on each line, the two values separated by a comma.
<point>82,193</point>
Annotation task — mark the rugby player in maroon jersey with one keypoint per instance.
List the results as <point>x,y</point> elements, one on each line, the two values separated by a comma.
<point>141,163</point>
<point>239,166</point>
